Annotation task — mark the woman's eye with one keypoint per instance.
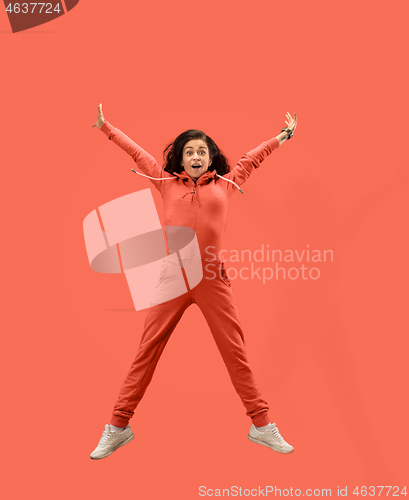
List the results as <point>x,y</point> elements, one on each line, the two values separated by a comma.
<point>190,152</point>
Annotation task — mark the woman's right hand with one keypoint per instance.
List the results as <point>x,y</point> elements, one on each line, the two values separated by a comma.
<point>100,119</point>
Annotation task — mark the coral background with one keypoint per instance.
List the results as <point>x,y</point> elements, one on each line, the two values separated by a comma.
<point>330,355</point>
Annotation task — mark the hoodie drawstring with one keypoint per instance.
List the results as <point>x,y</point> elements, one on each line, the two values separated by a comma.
<point>155,178</point>
<point>228,180</point>
<point>190,192</point>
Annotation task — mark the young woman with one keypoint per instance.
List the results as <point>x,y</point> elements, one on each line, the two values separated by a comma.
<point>195,183</point>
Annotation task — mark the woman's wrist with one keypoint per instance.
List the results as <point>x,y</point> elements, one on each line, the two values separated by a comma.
<point>281,137</point>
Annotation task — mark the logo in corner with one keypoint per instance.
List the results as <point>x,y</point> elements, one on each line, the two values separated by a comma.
<point>27,15</point>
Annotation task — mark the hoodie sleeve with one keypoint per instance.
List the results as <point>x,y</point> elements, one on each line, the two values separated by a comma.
<point>249,162</point>
<point>144,161</point>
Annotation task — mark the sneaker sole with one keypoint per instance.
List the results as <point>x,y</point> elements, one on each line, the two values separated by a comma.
<point>258,441</point>
<point>128,440</point>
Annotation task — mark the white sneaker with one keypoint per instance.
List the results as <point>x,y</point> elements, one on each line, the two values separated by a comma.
<point>271,438</point>
<point>111,441</point>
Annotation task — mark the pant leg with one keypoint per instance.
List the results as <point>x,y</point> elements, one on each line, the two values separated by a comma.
<point>216,301</point>
<point>160,322</point>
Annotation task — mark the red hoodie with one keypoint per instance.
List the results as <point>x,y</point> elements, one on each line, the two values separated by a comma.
<point>200,205</point>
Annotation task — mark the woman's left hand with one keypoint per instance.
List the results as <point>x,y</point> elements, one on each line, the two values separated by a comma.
<point>291,122</point>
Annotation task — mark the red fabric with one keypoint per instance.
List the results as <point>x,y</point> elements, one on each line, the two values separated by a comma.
<point>205,209</point>
<point>215,299</point>
<point>201,206</point>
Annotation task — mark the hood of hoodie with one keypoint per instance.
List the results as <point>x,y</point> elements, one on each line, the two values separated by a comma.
<point>203,179</point>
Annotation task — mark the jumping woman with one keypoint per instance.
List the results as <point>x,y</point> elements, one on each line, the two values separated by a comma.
<point>195,183</point>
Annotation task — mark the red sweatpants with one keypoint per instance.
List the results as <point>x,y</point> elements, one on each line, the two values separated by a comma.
<point>215,299</point>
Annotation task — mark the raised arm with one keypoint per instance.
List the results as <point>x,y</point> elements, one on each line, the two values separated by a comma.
<point>255,157</point>
<point>145,162</point>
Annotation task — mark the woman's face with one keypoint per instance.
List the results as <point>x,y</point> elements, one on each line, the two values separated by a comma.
<point>196,159</point>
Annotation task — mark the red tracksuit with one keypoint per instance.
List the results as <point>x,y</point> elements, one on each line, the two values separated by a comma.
<point>202,206</point>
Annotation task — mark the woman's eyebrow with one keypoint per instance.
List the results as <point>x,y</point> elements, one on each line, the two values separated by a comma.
<point>191,147</point>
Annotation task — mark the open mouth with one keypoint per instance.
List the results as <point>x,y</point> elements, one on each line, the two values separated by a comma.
<point>196,166</point>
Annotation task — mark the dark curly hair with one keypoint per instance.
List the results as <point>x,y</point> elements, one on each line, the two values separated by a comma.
<point>173,153</point>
